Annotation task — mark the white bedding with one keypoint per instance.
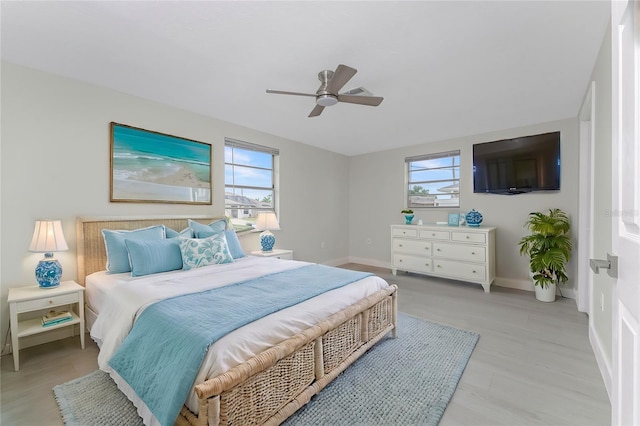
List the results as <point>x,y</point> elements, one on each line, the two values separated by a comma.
<point>119,298</point>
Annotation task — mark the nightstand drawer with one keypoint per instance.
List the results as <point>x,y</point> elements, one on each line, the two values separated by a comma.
<point>32,305</point>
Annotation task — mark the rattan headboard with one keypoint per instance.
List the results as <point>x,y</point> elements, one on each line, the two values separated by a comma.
<point>92,256</point>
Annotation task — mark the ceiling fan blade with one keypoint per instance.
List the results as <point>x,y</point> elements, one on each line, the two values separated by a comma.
<point>316,111</point>
<point>340,77</point>
<point>280,92</point>
<point>360,100</point>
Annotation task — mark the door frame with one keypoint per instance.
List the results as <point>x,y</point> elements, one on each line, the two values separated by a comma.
<point>585,202</point>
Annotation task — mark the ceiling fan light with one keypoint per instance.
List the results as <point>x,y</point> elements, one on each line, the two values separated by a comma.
<point>326,100</point>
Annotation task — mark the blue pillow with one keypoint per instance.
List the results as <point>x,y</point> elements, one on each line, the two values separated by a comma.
<point>215,226</point>
<point>117,255</point>
<point>151,257</point>
<point>205,234</point>
<point>234,244</point>
<point>185,233</point>
<point>232,241</point>
<point>203,252</point>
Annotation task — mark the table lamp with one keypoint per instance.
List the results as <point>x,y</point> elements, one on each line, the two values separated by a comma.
<point>267,222</point>
<point>48,238</point>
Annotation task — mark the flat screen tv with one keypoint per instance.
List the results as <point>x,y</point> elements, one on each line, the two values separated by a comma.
<point>518,165</point>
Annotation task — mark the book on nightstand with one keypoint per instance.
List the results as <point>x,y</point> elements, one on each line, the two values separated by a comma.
<point>56,317</point>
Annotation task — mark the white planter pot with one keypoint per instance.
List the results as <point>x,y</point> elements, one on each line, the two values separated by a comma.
<point>547,294</point>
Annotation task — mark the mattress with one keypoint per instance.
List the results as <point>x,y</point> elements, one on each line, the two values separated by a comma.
<point>119,298</point>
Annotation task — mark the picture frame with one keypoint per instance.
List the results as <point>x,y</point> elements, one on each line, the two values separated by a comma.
<point>154,167</point>
<point>454,219</point>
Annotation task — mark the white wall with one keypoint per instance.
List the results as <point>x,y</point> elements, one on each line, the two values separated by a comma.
<point>377,196</point>
<point>55,164</point>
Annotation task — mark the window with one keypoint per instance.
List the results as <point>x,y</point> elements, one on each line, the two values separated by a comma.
<point>250,181</point>
<point>433,180</point>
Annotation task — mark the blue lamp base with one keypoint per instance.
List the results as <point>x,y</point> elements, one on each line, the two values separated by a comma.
<point>267,240</point>
<point>48,272</point>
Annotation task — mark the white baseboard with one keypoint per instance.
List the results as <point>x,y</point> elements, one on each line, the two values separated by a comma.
<point>519,284</point>
<point>336,262</point>
<point>603,364</point>
<point>527,285</point>
<point>370,262</point>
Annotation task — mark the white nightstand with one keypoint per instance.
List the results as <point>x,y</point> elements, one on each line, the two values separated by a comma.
<point>34,298</point>
<point>278,253</point>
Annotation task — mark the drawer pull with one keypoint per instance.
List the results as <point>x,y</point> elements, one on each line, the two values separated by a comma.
<point>439,266</point>
<point>474,271</point>
<point>400,260</point>
<point>438,250</point>
<point>467,237</point>
<point>399,245</point>
<point>473,252</point>
<point>50,302</point>
<point>433,235</point>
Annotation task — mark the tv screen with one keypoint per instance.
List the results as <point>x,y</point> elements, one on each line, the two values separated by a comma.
<point>518,165</point>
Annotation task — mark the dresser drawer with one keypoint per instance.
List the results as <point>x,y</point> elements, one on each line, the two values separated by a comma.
<point>405,232</point>
<point>470,237</point>
<point>460,252</point>
<point>434,235</point>
<point>412,263</point>
<point>417,247</point>
<point>464,271</point>
<point>44,303</point>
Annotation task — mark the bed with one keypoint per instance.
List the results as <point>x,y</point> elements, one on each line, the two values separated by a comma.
<point>259,373</point>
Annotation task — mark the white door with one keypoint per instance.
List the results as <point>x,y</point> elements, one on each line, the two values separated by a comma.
<point>625,27</point>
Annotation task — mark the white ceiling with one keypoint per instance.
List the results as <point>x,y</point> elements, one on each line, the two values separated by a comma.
<point>445,68</point>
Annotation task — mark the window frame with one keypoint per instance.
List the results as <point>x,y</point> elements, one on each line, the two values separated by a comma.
<point>274,188</point>
<point>434,156</point>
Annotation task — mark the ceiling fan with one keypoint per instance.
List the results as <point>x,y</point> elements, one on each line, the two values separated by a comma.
<point>327,94</point>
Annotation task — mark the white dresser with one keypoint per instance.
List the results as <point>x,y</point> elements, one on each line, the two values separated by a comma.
<point>461,253</point>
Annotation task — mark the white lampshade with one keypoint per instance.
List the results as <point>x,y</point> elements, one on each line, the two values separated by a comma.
<point>267,221</point>
<point>48,237</point>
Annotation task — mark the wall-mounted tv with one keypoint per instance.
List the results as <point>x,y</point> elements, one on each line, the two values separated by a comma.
<point>518,165</point>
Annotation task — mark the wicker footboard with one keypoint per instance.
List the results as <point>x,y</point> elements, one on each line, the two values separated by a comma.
<point>273,385</point>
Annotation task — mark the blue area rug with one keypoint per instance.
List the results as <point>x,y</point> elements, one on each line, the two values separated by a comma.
<point>404,381</point>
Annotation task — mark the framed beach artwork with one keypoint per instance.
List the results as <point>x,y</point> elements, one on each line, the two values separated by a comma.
<point>152,167</point>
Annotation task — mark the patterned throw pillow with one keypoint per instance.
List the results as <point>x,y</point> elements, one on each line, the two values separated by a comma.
<point>206,251</point>
<point>232,241</point>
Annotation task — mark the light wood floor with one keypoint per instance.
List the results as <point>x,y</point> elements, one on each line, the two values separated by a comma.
<point>533,364</point>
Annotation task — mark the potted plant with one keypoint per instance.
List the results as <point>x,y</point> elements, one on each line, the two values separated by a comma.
<point>408,216</point>
<point>549,249</point>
